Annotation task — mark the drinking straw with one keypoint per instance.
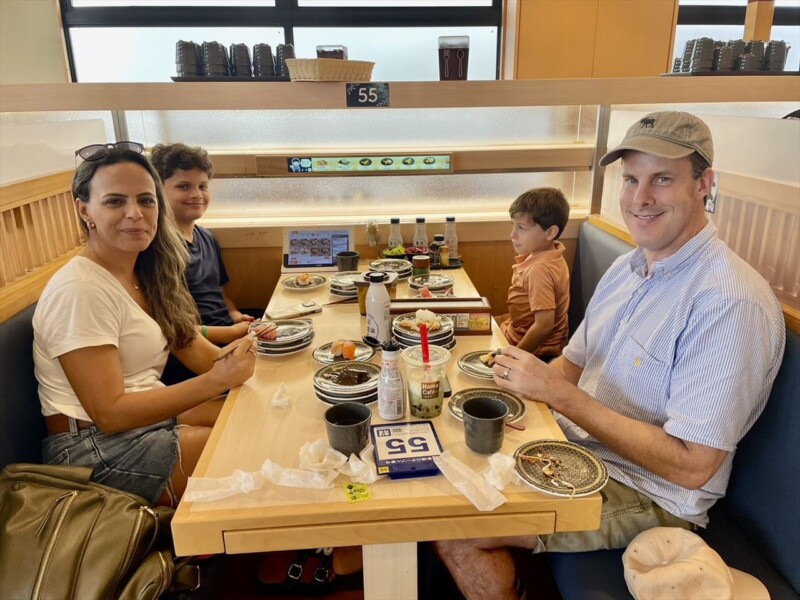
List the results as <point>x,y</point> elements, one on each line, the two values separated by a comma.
<point>423,334</point>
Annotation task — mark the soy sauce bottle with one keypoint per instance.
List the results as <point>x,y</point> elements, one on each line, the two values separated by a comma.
<point>391,391</point>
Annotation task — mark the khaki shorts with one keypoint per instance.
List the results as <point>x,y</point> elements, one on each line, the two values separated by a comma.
<point>625,514</point>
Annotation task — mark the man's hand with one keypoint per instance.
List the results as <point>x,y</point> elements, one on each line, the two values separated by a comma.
<point>519,371</point>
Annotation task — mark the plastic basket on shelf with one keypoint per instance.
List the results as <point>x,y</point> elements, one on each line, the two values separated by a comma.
<point>329,69</point>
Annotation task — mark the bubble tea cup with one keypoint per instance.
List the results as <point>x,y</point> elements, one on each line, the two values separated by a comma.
<point>425,381</point>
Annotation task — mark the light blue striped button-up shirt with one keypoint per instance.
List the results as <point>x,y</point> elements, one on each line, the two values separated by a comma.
<point>693,346</point>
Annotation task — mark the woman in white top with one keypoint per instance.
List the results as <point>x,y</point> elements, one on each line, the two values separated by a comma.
<point>104,326</point>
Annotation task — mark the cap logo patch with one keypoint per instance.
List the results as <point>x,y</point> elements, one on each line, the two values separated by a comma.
<point>647,123</point>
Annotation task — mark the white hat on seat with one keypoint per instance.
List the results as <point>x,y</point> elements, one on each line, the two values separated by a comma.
<point>670,563</point>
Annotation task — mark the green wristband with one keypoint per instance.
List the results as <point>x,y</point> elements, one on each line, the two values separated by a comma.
<point>204,331</point>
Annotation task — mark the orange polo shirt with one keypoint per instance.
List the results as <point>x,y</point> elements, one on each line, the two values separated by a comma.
<point>539,282</point>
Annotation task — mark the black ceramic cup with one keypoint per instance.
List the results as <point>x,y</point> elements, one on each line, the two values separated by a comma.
<point>348,427</point>
<point>484,424</point>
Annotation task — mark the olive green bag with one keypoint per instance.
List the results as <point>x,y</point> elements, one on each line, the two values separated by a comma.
<point>63,536</point>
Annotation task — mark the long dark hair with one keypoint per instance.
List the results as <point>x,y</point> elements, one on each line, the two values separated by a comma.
<point>160,268</point>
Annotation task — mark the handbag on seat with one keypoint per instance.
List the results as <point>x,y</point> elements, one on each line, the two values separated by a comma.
<point>64,536</point>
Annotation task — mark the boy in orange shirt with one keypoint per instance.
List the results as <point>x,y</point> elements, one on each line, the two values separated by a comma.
<point>538,298</point>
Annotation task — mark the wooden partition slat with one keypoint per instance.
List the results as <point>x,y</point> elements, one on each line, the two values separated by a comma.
<point>39,234</point>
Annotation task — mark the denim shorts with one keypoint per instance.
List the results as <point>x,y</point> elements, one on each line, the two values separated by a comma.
<point>624,515</point>
<point>139,461</point>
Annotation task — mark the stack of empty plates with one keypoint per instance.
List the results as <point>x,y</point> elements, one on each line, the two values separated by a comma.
<point>392,265</point>
<point>471,364</point>
<point>406,331</point>
<point>344,283</point>
<point>293,336</point>
<point>350,381</point>
<point>434,283</point>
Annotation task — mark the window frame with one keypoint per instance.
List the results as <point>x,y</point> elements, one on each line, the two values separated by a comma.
<point>732,15</point>
<point>286,14</point>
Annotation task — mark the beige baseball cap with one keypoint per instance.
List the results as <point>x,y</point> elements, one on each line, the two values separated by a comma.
<point>670,563</point>
<point>667,134</point>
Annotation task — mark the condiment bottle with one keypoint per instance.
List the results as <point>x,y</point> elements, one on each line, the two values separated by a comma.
<point>379,322</point>
<point>444,255</point>
<point>391,392</point>
<point>438,240</point>
<point>450,237</point>
<point>420,237</point>
<point>395,238</point>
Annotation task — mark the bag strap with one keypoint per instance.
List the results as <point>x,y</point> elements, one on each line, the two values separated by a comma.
<point>295,571</point>
<point>323,572</point>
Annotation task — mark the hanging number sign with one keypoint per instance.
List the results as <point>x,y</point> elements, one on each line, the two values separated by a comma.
<point>360,95</point>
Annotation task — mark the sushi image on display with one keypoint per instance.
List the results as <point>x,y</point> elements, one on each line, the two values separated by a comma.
<point>387,161</point>
<point>408,161</point>
<point>365,162</point>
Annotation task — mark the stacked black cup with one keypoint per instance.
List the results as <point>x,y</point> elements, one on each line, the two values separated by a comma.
<point>702,55</point>
<point>215,59</point>
<point>240,60</point>
<point>187,59</point>
<point>724,59</point>
<point>775,55</point>
<point>283,52</point>
<point>263,61</point>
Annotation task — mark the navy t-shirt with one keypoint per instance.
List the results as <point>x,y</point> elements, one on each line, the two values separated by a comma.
<point>205,276</point>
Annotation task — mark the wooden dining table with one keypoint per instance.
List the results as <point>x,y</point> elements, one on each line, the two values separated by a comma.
<point>397,513</point>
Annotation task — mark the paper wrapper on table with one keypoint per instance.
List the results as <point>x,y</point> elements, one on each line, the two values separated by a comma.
<point>314,480</point>
<point>501,471</point>
<point>280,399</point>
<point>208,489</point>
<point>469,483</point>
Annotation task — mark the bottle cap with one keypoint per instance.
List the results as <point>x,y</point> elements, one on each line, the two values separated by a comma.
<point>390,345</point>
<point>439,237</point>
<point>394,220</point>
<point>376,277</point>
<point>420,219</point>
<point>450,219</point>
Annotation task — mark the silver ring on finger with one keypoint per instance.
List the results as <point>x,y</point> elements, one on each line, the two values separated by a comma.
<point>505,374</point>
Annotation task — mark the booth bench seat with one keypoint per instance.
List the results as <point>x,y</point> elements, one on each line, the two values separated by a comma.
<point>756,527</point>
<point>22,426</point>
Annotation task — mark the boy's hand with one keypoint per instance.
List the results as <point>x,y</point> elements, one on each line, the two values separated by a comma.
<point>239,317</point>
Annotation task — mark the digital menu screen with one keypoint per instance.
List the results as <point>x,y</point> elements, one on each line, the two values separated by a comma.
<point>377,163</point>
<point>316,247</point>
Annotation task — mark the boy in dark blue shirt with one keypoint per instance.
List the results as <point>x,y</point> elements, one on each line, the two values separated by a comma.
<point>186,173</point>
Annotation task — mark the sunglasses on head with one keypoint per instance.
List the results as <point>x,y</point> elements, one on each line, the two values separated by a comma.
<point>98,151</point>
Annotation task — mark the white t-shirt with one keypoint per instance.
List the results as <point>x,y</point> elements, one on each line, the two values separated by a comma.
<point>82,306</point>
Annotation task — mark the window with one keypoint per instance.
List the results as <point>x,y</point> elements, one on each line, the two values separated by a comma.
<point>724,20</point>
<point>134,40</point>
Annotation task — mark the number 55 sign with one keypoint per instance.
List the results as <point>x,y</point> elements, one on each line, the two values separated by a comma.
<point>360,95</point>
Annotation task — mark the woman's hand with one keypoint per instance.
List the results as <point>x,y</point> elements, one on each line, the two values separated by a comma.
<point>236,363</point>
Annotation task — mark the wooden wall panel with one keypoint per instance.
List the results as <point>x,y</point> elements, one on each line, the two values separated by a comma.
<point>254,272</point>
<point>634,39</point>
<point>556,39</point>
<point>595,38</point>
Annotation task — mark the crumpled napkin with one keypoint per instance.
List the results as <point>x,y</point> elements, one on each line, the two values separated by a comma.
<point>468,482</point>
<point>319,456</point>
<point>319,466</point>
<point>501,471</point>
<point>361,468</point>
<point>280,399</point>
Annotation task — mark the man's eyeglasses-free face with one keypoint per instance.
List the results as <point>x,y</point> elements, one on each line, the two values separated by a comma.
<point>98,151</point>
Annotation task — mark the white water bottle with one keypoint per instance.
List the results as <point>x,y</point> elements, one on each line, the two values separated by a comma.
<point>391,394</point>
<point>420,236</point>
<point>395,239</point>
<point>450,237</point>
<point>379,322</point>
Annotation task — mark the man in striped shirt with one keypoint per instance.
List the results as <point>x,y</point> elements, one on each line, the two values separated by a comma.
<point>671,366</point>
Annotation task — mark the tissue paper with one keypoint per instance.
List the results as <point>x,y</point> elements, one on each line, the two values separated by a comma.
<point>207,489</point>
<point>280,399</point>
<point>468,482</point>
<point>501,471</point>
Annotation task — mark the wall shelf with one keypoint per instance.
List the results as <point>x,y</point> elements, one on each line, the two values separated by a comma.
<point>442,94</point>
